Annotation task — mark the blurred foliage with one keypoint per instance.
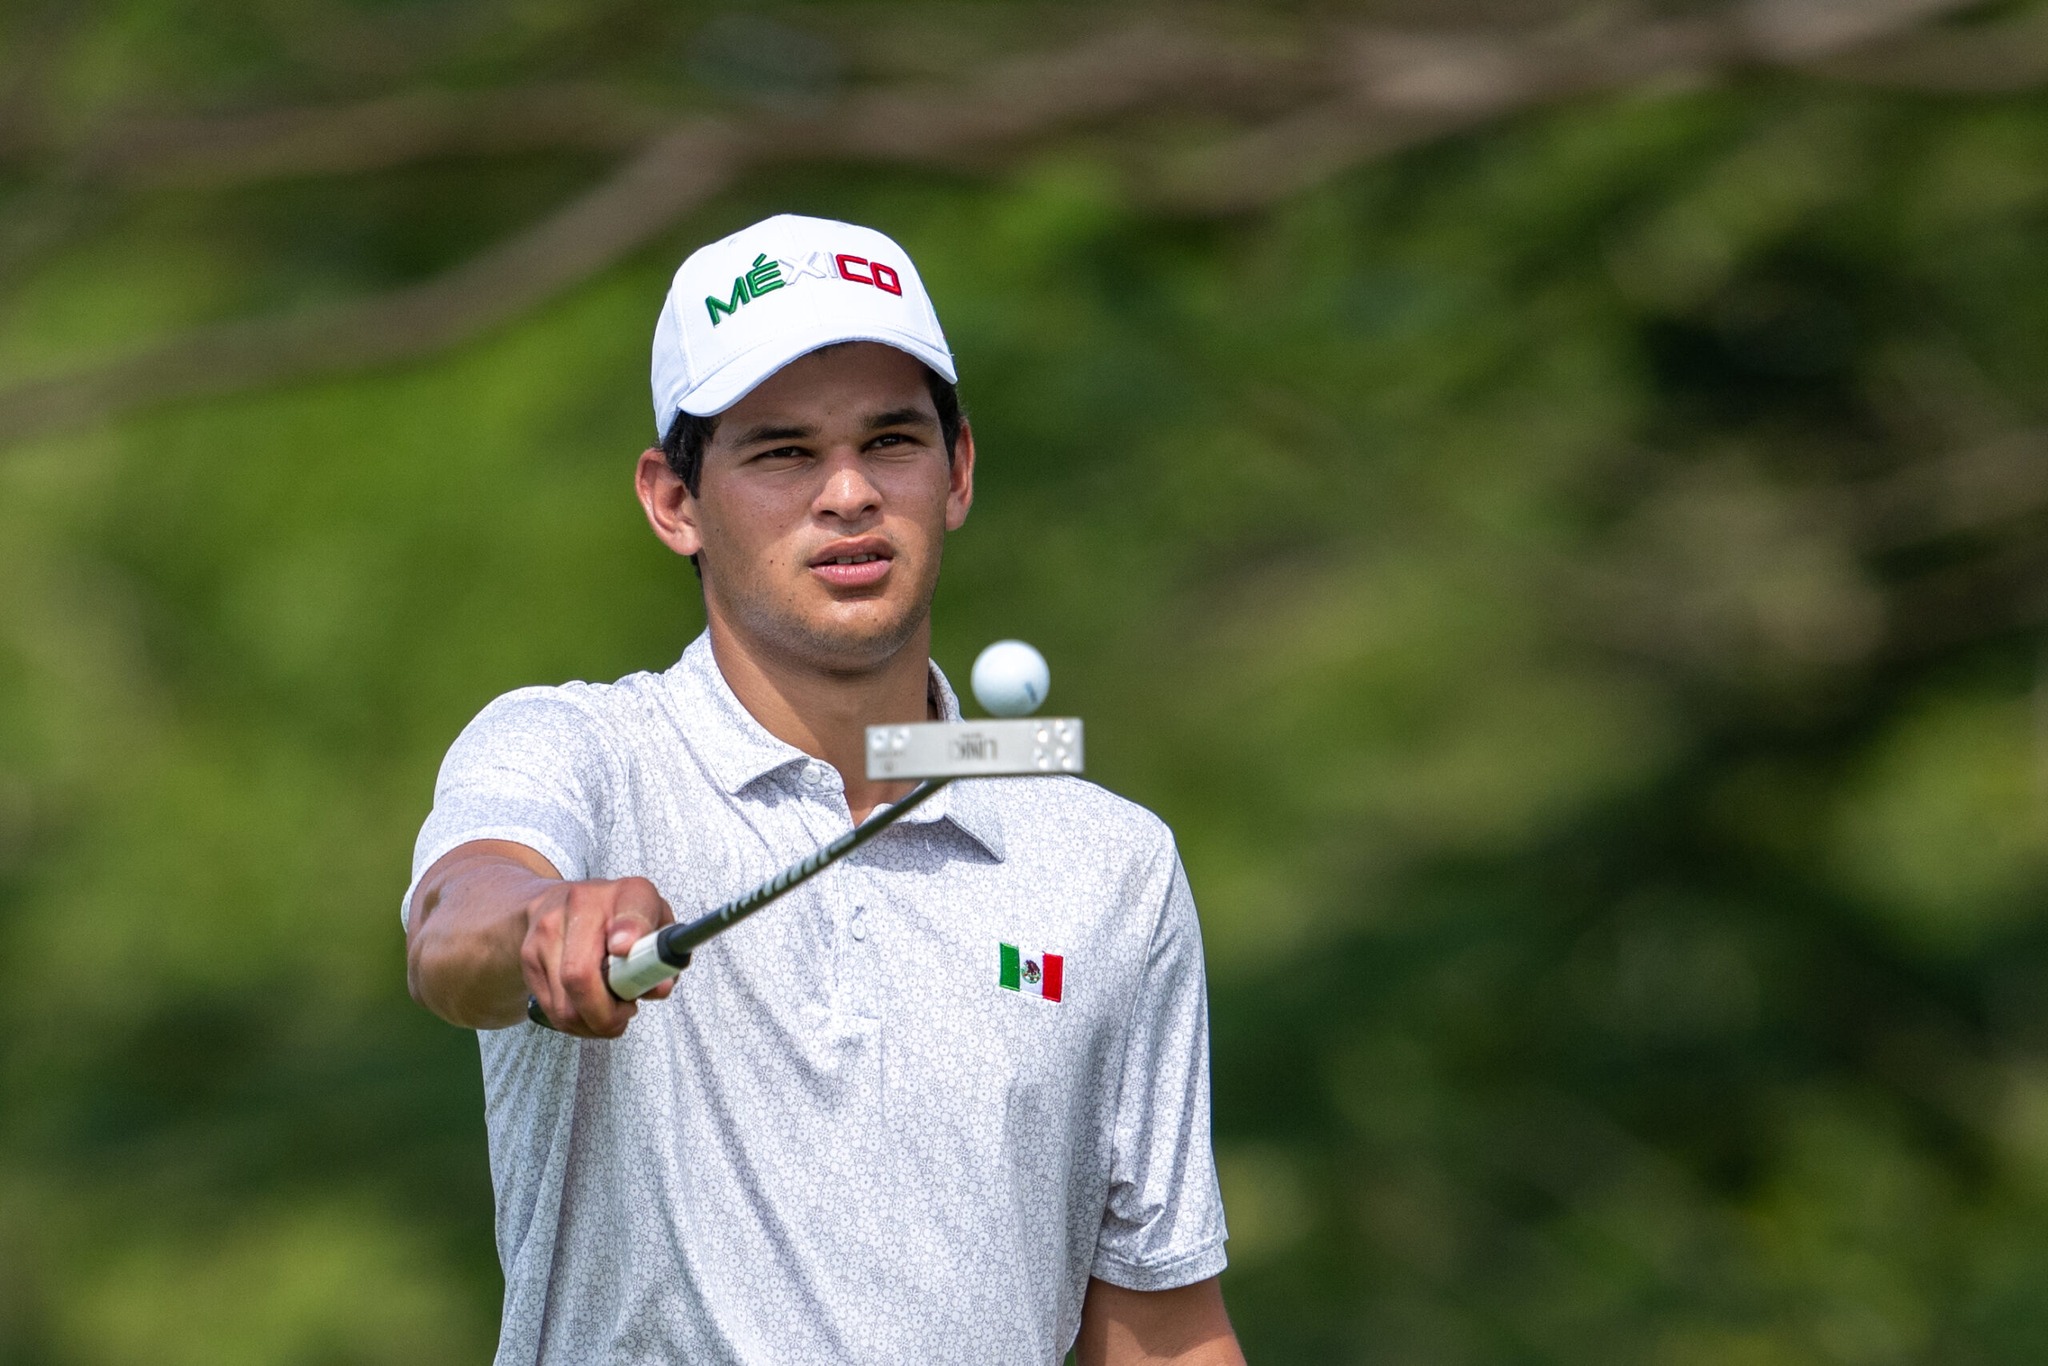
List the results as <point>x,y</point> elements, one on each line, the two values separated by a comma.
<point>1526,573</point>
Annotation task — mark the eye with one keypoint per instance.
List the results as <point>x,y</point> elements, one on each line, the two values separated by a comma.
<point>783,453</point>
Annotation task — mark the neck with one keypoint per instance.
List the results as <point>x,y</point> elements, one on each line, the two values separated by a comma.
<point>826,712</point>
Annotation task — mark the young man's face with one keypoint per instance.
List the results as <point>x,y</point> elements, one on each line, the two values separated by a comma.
<point>824,503</point>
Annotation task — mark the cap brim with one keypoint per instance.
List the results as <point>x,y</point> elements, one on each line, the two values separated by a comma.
<point>740,375</point>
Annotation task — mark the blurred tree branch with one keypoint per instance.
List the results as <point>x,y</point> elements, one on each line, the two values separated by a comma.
<point>1724,572</point>
<point>1975,61</point>
<point>2002,481</point>
<point>211,153</point>
<point>1342,97</point>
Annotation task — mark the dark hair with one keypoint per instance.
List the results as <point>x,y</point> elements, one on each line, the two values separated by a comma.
<point>689,434</point>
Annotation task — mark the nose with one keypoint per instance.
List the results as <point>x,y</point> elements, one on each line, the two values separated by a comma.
<point>848,494</point>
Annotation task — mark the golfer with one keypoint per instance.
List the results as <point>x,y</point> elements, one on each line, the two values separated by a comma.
<point>947,1102</point>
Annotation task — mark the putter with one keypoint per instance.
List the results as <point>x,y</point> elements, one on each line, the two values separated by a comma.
<point>933,753</point>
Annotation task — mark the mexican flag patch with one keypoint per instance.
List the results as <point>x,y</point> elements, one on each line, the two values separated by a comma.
<point>1032,974</point>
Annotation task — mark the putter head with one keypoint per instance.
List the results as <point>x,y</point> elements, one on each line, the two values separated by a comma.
<point>1026,747</point>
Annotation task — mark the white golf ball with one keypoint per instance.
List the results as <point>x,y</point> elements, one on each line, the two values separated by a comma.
<point>1010,679</point>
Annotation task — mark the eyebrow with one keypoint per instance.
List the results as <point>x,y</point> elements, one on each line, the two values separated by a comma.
<point>771,432</point>
<point>901,417</point>
<point>893,417</point>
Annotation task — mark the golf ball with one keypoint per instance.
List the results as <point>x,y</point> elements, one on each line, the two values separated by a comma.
<point>1010,679</point>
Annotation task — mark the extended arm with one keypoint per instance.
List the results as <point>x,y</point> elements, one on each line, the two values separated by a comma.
<point>1187,1326</point>
<point>492,923</point>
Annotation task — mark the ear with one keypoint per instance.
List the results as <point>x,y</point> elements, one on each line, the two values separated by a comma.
<point>670,509</point>
<point>960,479</point>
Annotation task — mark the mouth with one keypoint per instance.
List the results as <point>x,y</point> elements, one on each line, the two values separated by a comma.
<point>861,563</point>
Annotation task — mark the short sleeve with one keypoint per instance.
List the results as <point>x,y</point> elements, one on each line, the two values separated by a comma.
<point>1164,1227</point>
<point>533,768</point>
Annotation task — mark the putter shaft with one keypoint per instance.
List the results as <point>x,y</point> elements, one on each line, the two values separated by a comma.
<point>666,952</point>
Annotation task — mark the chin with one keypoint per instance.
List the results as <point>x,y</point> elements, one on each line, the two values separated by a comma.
<point>820,630</point>
<point>861,640</point>
<point>846,637</point>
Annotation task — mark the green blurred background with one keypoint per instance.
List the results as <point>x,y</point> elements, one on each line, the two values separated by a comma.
<point>1550,500</point>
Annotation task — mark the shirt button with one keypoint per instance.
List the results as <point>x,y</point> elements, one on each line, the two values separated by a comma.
<point>860,922</point>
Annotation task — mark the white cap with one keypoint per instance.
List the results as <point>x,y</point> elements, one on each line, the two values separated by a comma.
<point>742,308</point>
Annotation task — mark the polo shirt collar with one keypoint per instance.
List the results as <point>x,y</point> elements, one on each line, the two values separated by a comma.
<point>738,751</point>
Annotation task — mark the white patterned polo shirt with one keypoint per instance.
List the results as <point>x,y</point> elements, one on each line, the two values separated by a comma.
<point>902,1115</point>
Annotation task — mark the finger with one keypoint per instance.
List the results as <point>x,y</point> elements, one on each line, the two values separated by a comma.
<point>637,912</point>
<point>546,966</point>
<point>582,962</point>
<point>539,1003</point>
<point>539,953</point>
<point>624,947</point>
<point>640,911</point>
